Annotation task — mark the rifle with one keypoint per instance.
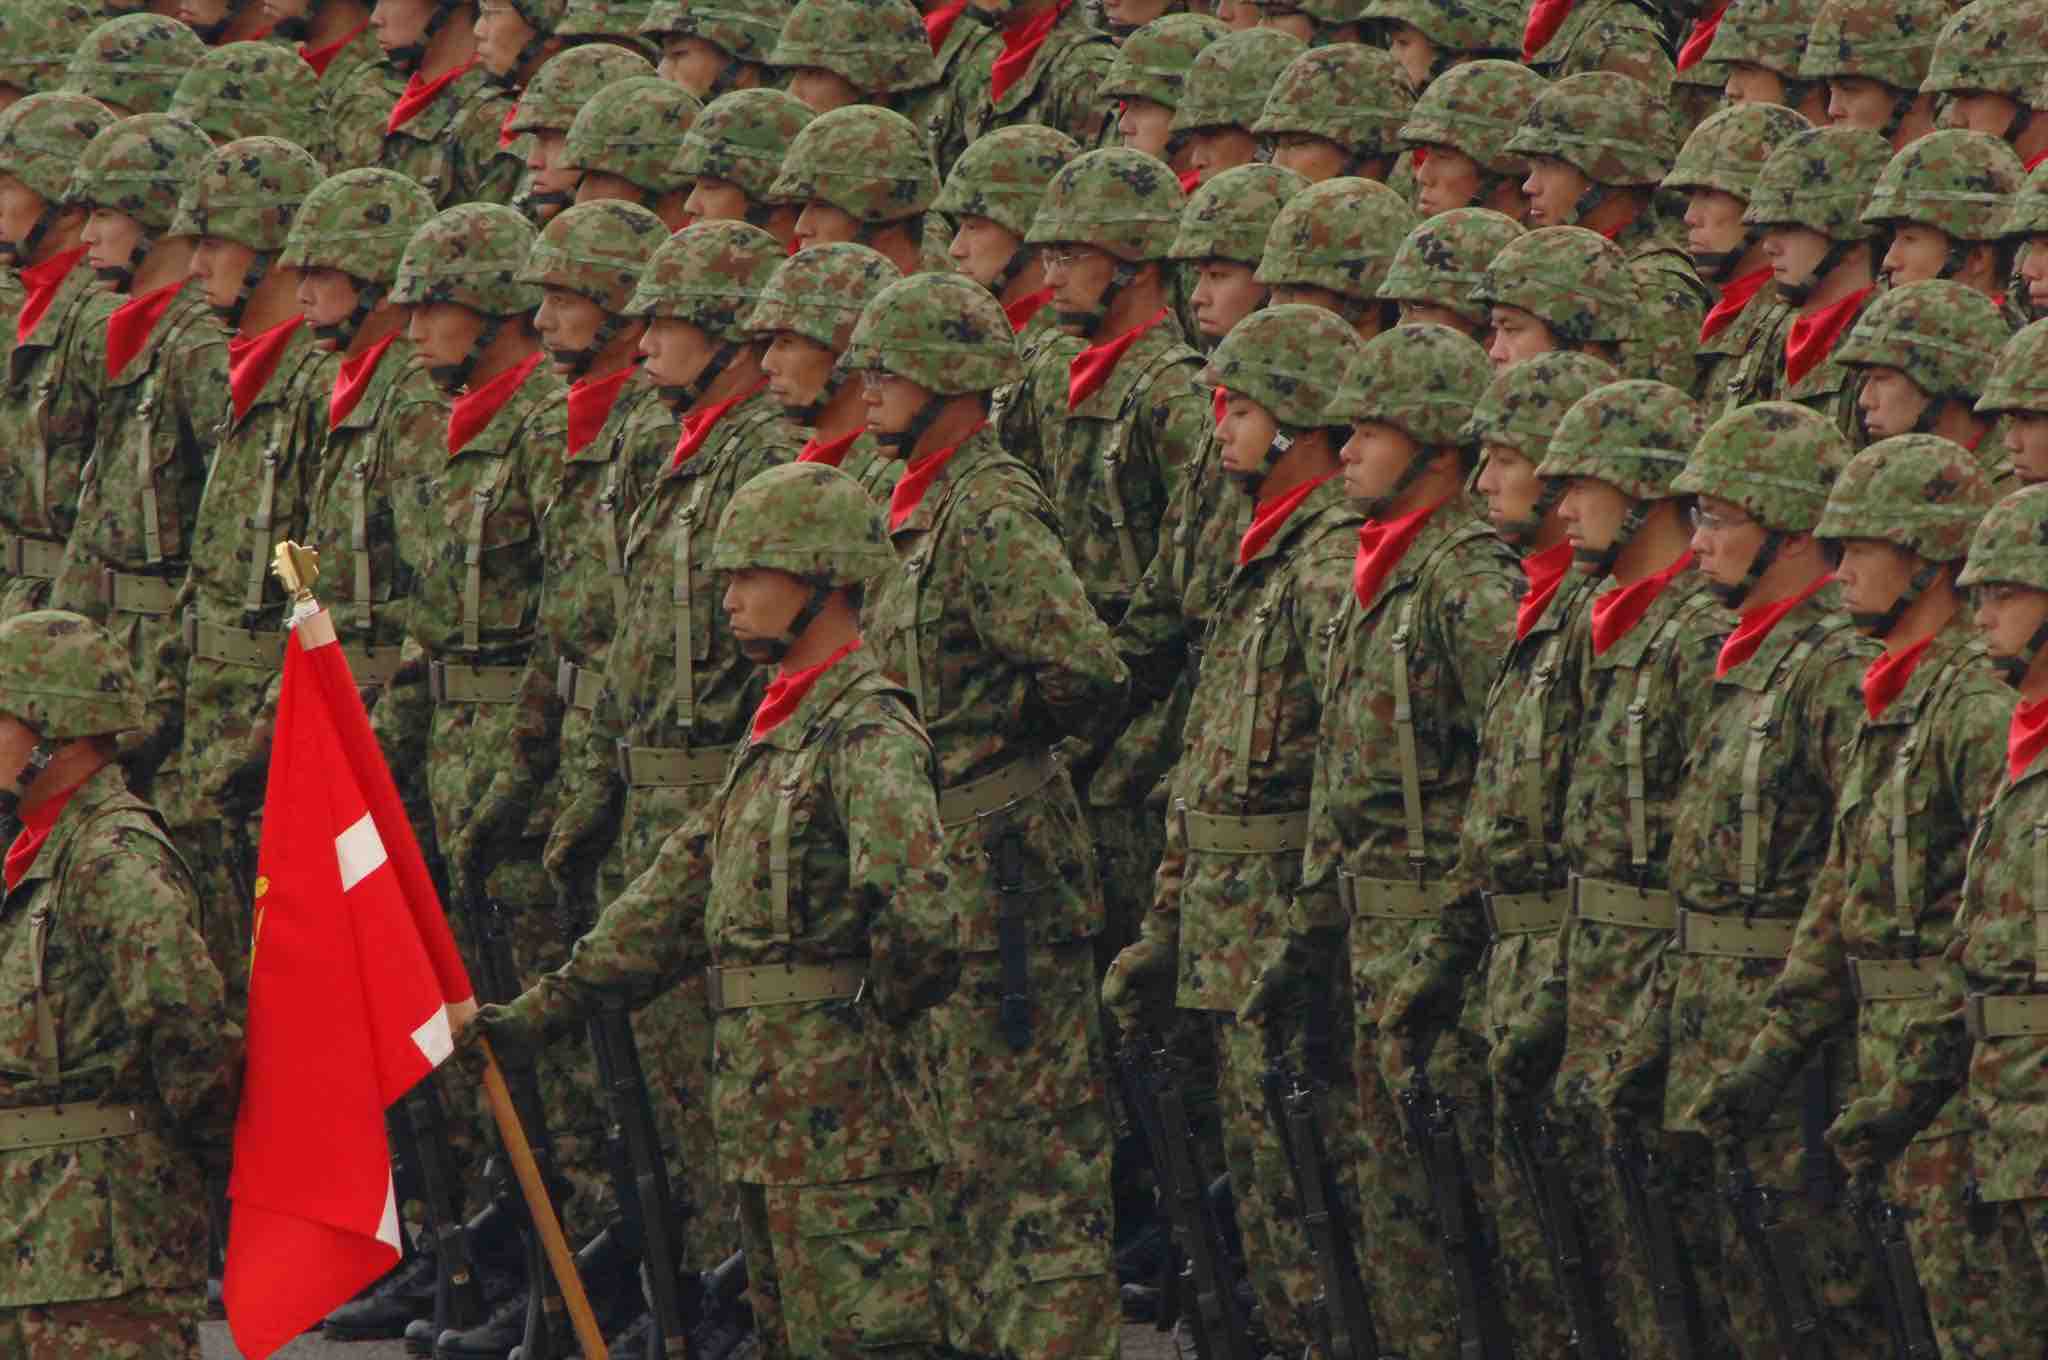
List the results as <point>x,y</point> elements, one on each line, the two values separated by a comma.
<point>1344,1322</point>
<point>1883,1230</point>
<point>1532,1146</point>
<point>1144,1118</point>
<point>419,1124</point>
<point>1777,1253</point>
<point>1647,1201</point>
<point>1013,936</point>
<point>1468,1258</point>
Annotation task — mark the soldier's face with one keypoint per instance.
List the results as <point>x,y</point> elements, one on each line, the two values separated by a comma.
<point>1237,15</point>
<point>891,404</point>
<point>595,186</point>
<point>1411,47</point>
<point>501,35</point>
<point>1510,484</point>
<point>1213,150</point>
<point>760,603</point>
<point>1447,178</point>
<point>1859,102</point>
<point>1243,436</point>
<point>220,267</point>
<point>1554,188</point>
<point>1133,13</point>
<point>822,224</point>
<point>1916,253</point>
<point>20,209</point>
<point>202,14</point>
<point>2007,615</point>
<point>1889,403</point>
<point>567,321</point>
<point>1751,84</point>
<point>112,240</point>
<point>545,153</point>
<point>443,332</point>
<point>1517,335</point>
<point>823,90</point>
<point>1283,19</point>
<point>2033,268</point>
<point>1873,574</point>
<point>1795,254</point>
<point>2026,444</point>
<point>1077,275</point>
<point>1591,512</point>
<point>1713,222</point>
<point>691,63</point>
<point>1145,126</point>
<point>675,352</point>
<point>716,200</point>
<point>1728,542</point>
<point>799,369</point>
<point>1374,458</point>
<point>1430,314</point>
<point>327,297</point>
<point>1314,158</point>
<point>982,249</point>
<point>1225,294</point>
<point>1981,111</point>
<point>400,23</point>
<point>287,9</point>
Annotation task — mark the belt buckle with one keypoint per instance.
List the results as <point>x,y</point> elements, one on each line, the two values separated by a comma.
<point>714,989</point>
<point>1973,1016</point>
<point>1492,919</point>
<point>107,588</point>
<point>17,556</point>
<point>625,755</point>
<point>437,681</point>
<point>1681,940</point>
<point>565,680</point>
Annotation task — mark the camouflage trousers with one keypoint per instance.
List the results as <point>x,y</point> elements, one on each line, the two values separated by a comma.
<point>1981,1297</point>
<point>1024,1193</point>
<point>144,1324</point>
<point>842,1269</point>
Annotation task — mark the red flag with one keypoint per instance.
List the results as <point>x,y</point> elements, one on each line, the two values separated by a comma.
<point>352,979</point>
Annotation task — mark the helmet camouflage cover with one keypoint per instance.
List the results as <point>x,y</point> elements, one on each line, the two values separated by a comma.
<point>869,162</point>
<point>1003,175</point>
<point>1153,62</point>
<point>43,135</point>
<point>64,678</point>
<point>820,292</point>
<point>876,46</point>
<point>1918,491</point>
<point>1767,33</point>
<point>1955,180</point>
<point>1288,359</point>
<point>470,255</point>
<point>1347,93</point>
<point>1474,109</point>
<point>807,519</point>
<point>2028,214</point>
<point>602,19</point>
<point>1440,262</point>
<point>1457,26</point>
<point>570,79</point>
<point>742,137</point>
<point>1775,459</point>
<point>134,62</point>
<point>595,249</point>
<point>2010,546</point>
<point>709,274</point>
<point>1576,282</point>
<point>1607,125</point>
<point>1820,179</point>
<point>357,222</point>
<point>248,192</point>
<point>1227,84</point>
<point>630,129</point>
<point>138,167</point>
<point>38,39</point>
<point>1228,217</point>
<point>1886,40</point>
<point>1525,402</point>
<point>1633,435</point>
<point>1338,235</point>
<point>1943,335</point>
<point>1115,199</point>
<point>1727,151</point>
<point>1421,380</point>
<point>745,29</point>
<point>250,89</point>
<point>943,332</point>
<point>2019,377</point>
<point>1996,46</point>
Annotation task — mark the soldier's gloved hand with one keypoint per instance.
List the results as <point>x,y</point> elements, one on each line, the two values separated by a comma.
<point>1736,1104</point>
<point>1141,974</point>
<point>482,843</point>
<point>1521,1066</point>
<point>1295,976</point>
<point>516,1034</point>
<point>1870,1134</point>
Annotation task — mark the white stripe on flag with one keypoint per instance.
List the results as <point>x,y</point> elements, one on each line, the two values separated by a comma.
<point>434,1037</point>
<point>360,850</point>
<point>387,1230</point>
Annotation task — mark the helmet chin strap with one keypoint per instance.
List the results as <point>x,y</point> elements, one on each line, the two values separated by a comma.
<point>121,277</point>
<point>1731,597</point>
<point>39,757</point>
<point>20,253</point>
<point>252,279</point>
<point>1798,293</point>
<point>455,377</point>
<point>1588,203</point>
<point>1523,529</point>
<point>1881,623</point>
<point>1599,562</point>
<point>343,332</point>
<point>681,397</point>
<point>770,651</point>
<point>1091,319</point>
<point>2013,669</point>
<point>408,59</point>
<point>579,361</point>
<point>903,442</point>
<point>1719,265</point>
<point>1250,482</point>
<point>1377,506</point>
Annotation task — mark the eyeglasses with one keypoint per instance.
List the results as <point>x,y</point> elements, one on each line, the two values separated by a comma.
<point>1065,257</point>
<point>2000,593</point>
<point>1706,522</point>
<point>873,380</point>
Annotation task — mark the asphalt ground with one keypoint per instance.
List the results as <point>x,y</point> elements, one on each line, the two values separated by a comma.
<point>1140,1343</point>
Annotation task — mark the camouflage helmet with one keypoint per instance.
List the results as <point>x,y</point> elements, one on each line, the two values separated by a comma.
<point>1347,93</point>
<point>1115,199</point>
<point>1997,46</point>
<point>43,135</point>
<point>587,19</point>
<point>138,167</point>
<point>1576,282</point>
<point>1767,33</point>
<point>1728,150</point>
<point>2010,546</point>
<point>1957,181</point>
<point>595,249</point>
<point>1228,217</point>
<point>1338,235</point>
<point>1775,459</point>
<point>876,46</point>
<point>134,62</point>
<point>1943,335</point>
<point>1919,491</point>
<point>249,192</point>
<point>630,129</point>
<point>1633,435</point>
<point>807,519</point>
<point>38,39</point>
<point>357,222</point>
<point>1819,179</point>
<point>542,16</point>
<point>469,255</point>
<point>250,89</point>
<point>742,137</point>
<point>1473,109</point>
<point>1440,262</point>
<point>746,29</point>
<point>1227,83</point>
<point>820,292</point>
<point>944,332</point>
<point>64,678</point>
<point>1525,401</point>
<point>1885,40</point>
<point>1003,175</point>
<point>2028,214</point>
<point>1288,359</point>
<point>1421,380</point>
<point>1457,26</point>
<point>570,79</point>
<point>869,162</point>
<point>1153,62</point>
<point>1606,125</point>
<point>2019,377</point>
<point>710,275</point>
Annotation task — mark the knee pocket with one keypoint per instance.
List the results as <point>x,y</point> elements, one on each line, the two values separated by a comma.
<point>865,1271</point>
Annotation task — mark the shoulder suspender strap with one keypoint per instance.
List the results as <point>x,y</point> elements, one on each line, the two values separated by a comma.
<point>686,666</point>
<point>1638,719</point>
<point>1404,736</point>
<point>359,541</point>
<point>145,470</point>
<point>1761,726</point>
<point>473,556</point>
<point>1530,775</point>
<point>259,530</point>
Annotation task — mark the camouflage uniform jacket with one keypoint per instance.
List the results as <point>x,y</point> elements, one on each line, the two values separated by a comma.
<point>965,58</point>
<point>801,1094</point>
<point>1648,692</point>
<point>1062,88</point>
<point>1926,765</point>
<point>988,629</point>
<point>1672,301</point>
<point>1251,750</point>
<point>1012,408</point>
<point>139,1021</point>
<point>1736,363</point>
<point>1830,387</point>
<point>353,102</point>
<point>1777,740</point>
<point>1609,35</point>
<point>1428,649</point>
<point>451,146</point>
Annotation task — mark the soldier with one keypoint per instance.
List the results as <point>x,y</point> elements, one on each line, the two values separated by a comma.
<point>839,52</point>
<point>252,89</point>
<point>38,38</point>
<point>1717,171</point>
<point>357,88</point>
<point>133,64</point>
<point>1123,18</point>
<point>806,315</point>
<point>109,1231</point>
<point>991,194</point>
<point>547,108</point>
<point>1222,238</point>
<point>1438,265</point>
<point>1558,288</point>
<point>734,151</point>
<point>1240,812</point>
<point>1431,38</point>
<point>1749,832</point>
<point>712,49</point>
<point>1319,23</point>
<point>1866,957</point>
<point>1987,67</point>
<point>1146,81</point>
<point>1760,45</point>
<point>1874,54</point>
<point>220,22</point>
<point>2015,396</point>
<point>966,54</point>
<point>2026,239</point>
<point>1598,147</point>
<point>1054,63</point>
<point>48,402</point>
<point>1332,245</point>
<point>1942,206</point>
<point>1336,111</point>
<point>1922,352</point>
<point>1458,129</point>
<point>992,634</point>
<point>1224,94</point>
<point>607,21</point>
<point>863,174</point>
<point>444,129</point>
<point>1570,37</point>
<point>622,146</point>
<point>516,38</point>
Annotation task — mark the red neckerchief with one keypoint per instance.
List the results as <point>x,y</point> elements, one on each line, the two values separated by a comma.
<point>1024,308</point>
<point>1733,299</point>
<point>1091,368</point>
<point>830,452</point>
<point>320,58</point>
<point>41,282</point>
<point>1545,572</point>
<point>1020,44</point>
<point>698,428</point>
<point>1270,514</point>
<point>252,361</point>
<point>416,96</point>
<point>590,402</point>
<point>1694,50</point>
<point>2026,738</point>
<point>788,689</point>
<point>506,136</point>
<point>1886,676</point>
<point>2035,163</point>
<point>352,379</point>
<point>1381,546</point>
<point>918,477</point>
<point>1545,18</point>
<point>940,22</point>
<point>1756,625</point>
<point>1190,181</point>
<point>131,323</point>
<point>1221,397</point>
<point>470,412</point>
<point>1812,337</point>
<point>35,829</point>
<point>1620,608</point>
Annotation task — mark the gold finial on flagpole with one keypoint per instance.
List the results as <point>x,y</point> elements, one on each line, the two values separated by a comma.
<point>298,568</point>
